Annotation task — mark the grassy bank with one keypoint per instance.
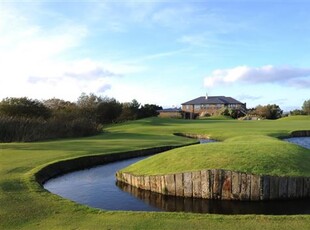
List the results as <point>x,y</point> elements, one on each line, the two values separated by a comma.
<point>24,205</point>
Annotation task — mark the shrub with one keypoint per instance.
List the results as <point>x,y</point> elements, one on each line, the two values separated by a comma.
<point>20,129</point>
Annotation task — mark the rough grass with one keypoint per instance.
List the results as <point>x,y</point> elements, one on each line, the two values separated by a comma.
<point>25,205</point>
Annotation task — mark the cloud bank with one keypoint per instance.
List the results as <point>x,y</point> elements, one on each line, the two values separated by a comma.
<point>288,76</point>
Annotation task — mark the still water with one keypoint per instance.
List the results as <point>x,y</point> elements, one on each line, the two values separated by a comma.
<point>302,141</point>
<point>97,187</point>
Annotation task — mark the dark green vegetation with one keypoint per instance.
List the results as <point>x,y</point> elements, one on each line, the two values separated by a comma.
<point>24,120</point>
<point>25,205</point>
<point>305,109</point>
<point>263,111</point>
<point>266,111</point>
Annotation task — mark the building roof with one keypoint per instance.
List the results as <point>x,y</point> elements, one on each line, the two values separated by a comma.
<point>212,100</point>
<point>169,110</point>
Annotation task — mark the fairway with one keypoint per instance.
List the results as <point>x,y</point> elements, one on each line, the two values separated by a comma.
<point>25,205</point>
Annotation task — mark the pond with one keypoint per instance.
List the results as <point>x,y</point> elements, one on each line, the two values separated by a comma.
<point>97,187</point>
<point>302,141</point>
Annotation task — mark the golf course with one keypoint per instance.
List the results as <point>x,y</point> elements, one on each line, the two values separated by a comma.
<point>246,146</point>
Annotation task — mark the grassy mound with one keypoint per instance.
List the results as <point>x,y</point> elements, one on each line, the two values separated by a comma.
<point>251,154</point>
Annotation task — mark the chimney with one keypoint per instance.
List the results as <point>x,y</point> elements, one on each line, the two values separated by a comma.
<point>206,96</point>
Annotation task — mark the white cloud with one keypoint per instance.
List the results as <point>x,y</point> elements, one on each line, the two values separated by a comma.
<point>66,79</point>
<point>289,76</point>
<point>34,60</point>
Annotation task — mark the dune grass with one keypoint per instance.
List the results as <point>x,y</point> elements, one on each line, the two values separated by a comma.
<point>25,205</point>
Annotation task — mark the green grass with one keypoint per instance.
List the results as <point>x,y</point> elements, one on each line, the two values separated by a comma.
<point>25,205</point>
<point>251,154</point>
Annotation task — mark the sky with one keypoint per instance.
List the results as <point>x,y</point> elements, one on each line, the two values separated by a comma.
<point>157,52</point>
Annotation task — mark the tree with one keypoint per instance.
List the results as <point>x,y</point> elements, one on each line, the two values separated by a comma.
<point>130,110</point>
<point>64,110</point>
<point>23,107</point>
<point>149,110</point>
<point>88,101</point>
<point>306,107</point>
<point>134,106</point>
<point>268,111</point>
<point>297,112</point>
<point>88,105</point>
<point>108,110</point>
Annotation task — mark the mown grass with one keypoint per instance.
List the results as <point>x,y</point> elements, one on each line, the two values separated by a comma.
<point>25,205</point>
<point>252,154</point>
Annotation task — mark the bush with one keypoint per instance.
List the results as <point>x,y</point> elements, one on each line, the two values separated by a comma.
<point>23,119</point>
<point>267,111</point>
<point>19,129</point>
<point>297,112</point>
<point>23,107</point>
<point>306,107</point>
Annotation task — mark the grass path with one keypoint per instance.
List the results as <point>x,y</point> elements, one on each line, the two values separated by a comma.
<point>24,205</point>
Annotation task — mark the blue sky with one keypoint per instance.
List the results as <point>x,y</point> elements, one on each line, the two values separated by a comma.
<point>161,52</point>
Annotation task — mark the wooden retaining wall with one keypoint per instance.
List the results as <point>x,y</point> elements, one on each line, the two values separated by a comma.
<point>301,133</point>
<point>222,184</point>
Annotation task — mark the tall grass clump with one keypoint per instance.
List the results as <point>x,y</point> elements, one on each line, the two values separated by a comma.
<point>21,129</point>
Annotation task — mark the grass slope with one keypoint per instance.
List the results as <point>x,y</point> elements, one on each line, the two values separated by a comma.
<point>25,205</point>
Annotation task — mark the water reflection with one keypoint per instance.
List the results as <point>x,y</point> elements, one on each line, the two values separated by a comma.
<point>196,205</point>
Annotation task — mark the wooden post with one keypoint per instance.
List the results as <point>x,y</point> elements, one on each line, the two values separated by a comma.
<point>206,191</point>
<point>299,187</point>
<point>291,187</point>
<point>255,187</point>
<point>217,183</point>
<point>196,178</point>
<point>170,184</point>
<point>188,185</point>
<point>274,188</point>
<point>153,183</point>
<point>236,185</point>
<point>283,188</point>
<point>179,188</point>
<point>266,188</point>
<point>307,187</point>
<point>147,185</point>
<point>245,186</point>
<point>226,186</point>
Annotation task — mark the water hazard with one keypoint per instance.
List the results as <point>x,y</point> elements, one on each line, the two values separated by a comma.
<point>302,141</point>
<point>97,187</point>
